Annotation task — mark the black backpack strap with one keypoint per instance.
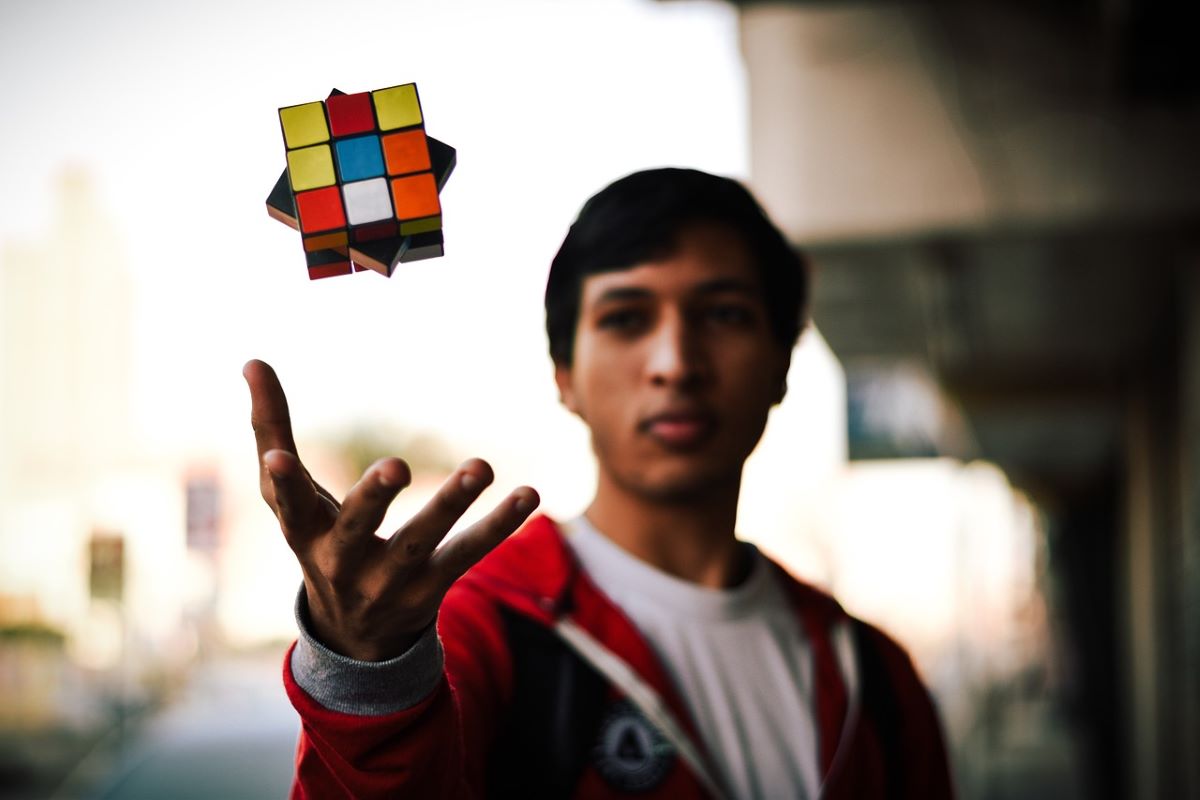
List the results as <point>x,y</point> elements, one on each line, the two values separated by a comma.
<point>558,702</point>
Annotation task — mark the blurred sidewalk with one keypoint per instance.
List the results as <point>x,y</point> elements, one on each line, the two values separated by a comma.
<point>230,735</point>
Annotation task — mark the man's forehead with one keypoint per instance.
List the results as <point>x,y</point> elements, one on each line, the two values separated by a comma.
<point>687,272</point>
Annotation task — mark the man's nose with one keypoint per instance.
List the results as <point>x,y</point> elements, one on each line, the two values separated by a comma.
<point>676,356</point>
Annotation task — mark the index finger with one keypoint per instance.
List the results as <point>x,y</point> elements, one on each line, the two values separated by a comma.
<point>268,410</point>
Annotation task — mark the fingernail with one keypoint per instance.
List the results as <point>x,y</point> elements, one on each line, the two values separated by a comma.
<point>470,482</point>
<point>384,480</point>
<point>524,505</point>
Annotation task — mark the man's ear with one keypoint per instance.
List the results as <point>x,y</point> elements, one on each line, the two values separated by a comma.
<point>566,392</point>
<point>784,366</point>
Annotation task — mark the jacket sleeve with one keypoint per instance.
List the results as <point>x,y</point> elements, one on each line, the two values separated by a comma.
<point>415,726</point>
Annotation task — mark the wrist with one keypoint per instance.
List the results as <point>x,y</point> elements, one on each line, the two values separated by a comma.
<point>354,686</point>
<point>335,636</point>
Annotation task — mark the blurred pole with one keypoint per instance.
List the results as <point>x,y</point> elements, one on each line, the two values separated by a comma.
<point>203,524</point>
<point>106,582</point>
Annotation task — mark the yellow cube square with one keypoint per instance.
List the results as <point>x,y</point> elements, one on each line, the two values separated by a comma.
<point>311,168</point>
<point>397,107</point>
<point>304,124</point>
<point>421,225</point>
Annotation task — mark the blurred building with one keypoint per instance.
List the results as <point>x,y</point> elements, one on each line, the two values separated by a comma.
<point>87,530</point>
<point>65,351</point>
<point>67,309</point>
<point>1002,206</point>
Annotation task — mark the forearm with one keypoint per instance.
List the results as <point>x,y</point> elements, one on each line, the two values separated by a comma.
<point>373,729</point>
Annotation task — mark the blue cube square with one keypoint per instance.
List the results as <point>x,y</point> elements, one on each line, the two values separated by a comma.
<point>359,158</point>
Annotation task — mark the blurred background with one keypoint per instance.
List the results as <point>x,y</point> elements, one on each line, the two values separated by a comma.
<point>992,436</point>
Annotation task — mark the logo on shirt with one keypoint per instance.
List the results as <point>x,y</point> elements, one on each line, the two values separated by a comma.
<point>630,753</point>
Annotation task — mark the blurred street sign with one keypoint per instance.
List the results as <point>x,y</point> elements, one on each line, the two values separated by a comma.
<point>897,410</point>
<point>203,512</point>
<point>106,557</point>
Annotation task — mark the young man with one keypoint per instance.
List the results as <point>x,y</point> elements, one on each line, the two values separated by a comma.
<point>639,650</point>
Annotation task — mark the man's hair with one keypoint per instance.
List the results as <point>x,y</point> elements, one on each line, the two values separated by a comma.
<point>639,218</point>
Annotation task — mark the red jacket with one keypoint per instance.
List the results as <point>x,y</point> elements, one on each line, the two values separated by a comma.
<point>518,713</point>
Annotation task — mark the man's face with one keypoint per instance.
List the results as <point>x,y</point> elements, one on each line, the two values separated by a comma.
<point>675,367</point>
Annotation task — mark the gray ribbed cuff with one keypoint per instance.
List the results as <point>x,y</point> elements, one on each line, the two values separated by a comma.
<point>366,688</point>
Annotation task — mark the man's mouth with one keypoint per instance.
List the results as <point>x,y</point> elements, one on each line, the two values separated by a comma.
<point>679,430</point>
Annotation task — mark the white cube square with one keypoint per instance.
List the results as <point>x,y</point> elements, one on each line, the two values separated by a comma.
<point>367,201</point>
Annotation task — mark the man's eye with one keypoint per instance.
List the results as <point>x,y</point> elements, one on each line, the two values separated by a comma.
<point>730,315</point>
<point>624,320</point>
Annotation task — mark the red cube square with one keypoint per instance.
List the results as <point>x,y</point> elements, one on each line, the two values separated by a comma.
<point>320,210</point>
<point>350,113</point>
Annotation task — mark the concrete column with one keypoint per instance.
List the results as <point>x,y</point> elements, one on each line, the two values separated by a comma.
<point>1188,594</point>
<point>1139,595</point>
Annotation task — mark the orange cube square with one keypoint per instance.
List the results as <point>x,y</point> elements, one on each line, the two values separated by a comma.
<point>415,196</point>
<point>406,152</point>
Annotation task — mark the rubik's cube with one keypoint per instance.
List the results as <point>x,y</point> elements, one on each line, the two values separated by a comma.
<point>362,181</point>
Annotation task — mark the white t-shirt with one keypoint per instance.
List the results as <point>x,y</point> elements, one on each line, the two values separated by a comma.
<point>738,656</point>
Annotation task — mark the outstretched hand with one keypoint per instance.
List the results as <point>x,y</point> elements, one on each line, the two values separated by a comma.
<point>371,597</point>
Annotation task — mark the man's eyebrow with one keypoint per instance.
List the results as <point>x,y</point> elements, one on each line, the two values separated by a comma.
<point>721,285</point>
<point>620,293</point>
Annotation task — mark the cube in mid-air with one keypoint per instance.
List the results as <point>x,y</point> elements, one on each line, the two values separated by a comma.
<point>362,181</point>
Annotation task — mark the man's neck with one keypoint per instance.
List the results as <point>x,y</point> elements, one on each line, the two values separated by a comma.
<point>691,538</point>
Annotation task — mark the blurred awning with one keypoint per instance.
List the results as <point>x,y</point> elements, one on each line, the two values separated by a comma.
<point>1029,335</point>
